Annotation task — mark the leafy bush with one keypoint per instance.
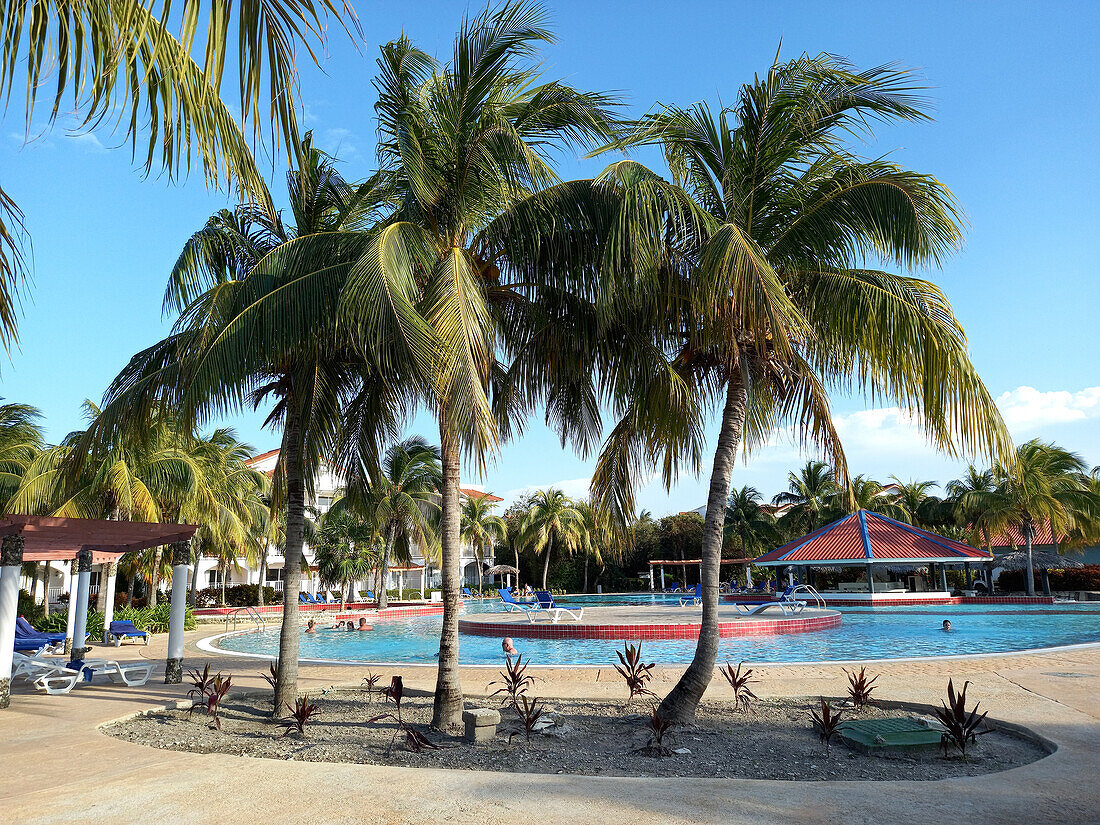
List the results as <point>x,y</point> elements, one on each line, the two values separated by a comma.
<point>1081,578</point>
<point>514,681</point>
<point>961,726</point>
<point>827,723</point>
<point>300,715</point>
<point>634,671</point>
<point>153,619</point>
<point>742,693</point>
<point>860,688</point>
<point>236,595</point>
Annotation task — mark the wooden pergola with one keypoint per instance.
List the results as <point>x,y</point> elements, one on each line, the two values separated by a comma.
<point>87,541</point>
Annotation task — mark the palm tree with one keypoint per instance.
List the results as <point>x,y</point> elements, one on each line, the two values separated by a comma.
<point>1046,484</point>
<point>864,493</point>
<point>21,439</point>
<point>766,300</point>
<point>123,65</point>
<point>916,500</point>
<point>399,499</point>
<point>481,529</point>
<point>552,523</point>
<point>480,234</point>
<point>810,494</point>
<point>748,522</point>
<point>245,336</point>
<point>972,499</point>
<point>346,550</point>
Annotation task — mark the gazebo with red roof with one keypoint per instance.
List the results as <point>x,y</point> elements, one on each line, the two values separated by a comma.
<point>48,538</point>
<point>868,539</point>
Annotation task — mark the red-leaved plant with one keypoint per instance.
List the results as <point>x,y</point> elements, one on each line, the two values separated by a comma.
<point>415,741</point>
<point>634,671</point>
<point>300,715</point>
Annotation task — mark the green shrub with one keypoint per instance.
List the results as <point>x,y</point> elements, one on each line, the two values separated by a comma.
<point>153,619</point>
<point>236,595</point>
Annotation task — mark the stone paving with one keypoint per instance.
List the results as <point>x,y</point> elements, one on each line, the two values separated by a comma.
<point>56,767</point>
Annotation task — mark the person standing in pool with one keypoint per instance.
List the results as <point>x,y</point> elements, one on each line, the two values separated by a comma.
<point>946,625</point>
<point>363,624</point>
<point>508,648</point>
<point>311,627</point>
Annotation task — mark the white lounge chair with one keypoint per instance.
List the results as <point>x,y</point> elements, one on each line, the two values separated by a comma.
<point>551,611</point>
<point>131,674</point>
<point>789,608</point>
<point>50,676</point>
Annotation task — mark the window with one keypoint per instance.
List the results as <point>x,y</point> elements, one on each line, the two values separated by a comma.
<point>274,574</point>
<point>323,502</point>
<point>214,578</point>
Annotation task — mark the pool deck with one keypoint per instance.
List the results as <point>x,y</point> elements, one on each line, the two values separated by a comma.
<point>56,767</point>
<point>643,622</point>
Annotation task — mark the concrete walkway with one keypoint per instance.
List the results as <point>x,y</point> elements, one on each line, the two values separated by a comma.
<point>55,766</point>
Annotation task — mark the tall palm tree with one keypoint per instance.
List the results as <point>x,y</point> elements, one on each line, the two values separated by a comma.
<point>479,233</point>
<point>122,65</point>
<point>552,524</point>
<point>809,496</point>
<point>481,529</point>
<point>972,499</point>
<point>244,337</point>
<point>21,439</point>
<point>399,500</point>
<point>1045,484</point>
<point>916,499</point>
<point>346,551</point>
<point>747,521</point>
<point>864,493</point>
<point>768,300</point>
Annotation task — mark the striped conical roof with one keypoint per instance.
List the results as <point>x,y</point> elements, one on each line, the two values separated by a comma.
<point>868,538</point>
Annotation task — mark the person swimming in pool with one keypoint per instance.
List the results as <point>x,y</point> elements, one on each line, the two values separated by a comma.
<point>311,627</point>
<point>508,648</point>
<point>363,624</point>
<point>946,625</point>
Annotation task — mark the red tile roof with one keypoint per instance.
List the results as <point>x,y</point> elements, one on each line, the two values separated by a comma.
<point>1015,536</point>
<point>478,494</point>
<point>866,537</point>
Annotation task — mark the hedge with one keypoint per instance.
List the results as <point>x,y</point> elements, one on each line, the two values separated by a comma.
<point>1080,578</point>
<point>236,595</point>
<point>153,619</point>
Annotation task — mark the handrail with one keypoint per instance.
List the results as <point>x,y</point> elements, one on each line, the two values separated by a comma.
<point>250,612</point>
<point>818,600</point>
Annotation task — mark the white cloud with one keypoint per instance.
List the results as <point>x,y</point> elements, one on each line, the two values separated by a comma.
<point>1026,408</point>
<point>341,143</point>
<point>87,140</point>
<point>572,487</point>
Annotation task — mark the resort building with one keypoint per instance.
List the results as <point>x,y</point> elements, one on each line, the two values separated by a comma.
<point>417,574</point>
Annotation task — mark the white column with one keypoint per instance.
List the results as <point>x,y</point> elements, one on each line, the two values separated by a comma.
<point>423,583</point>
<point>11,559</point>
<point>110,572</point>
<point>662,577</point>
<point>83,585</point>
<point>71,621</point>
<point>651,585</point>
<point>181,559</point>
<point>748,575</point>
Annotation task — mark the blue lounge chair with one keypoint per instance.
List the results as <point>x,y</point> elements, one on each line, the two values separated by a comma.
<point>371,596</point>
<point>305,598</point>
<point>548,608</point>
<point>511,604</point>
<point>25,628</point>
<point>466,592</point>
<point>124,629</point>
<point>695,598</point>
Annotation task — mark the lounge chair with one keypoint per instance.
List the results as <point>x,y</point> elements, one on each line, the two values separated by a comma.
<point>552,611</point>
<point>131,674</point>
<point>50,676</point>
<point>305,598</point>
<point>466,592</point>
<point>33,640</point>
<point>789,607</point>
<point>27,629</point>
<point>695,599</point>
<point>124,629</point>
<point>510,603</point>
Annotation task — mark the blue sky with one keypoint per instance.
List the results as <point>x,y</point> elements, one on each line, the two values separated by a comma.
<point>1014,137</point>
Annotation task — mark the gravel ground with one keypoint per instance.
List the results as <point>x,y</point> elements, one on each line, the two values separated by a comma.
<point>775,740</point>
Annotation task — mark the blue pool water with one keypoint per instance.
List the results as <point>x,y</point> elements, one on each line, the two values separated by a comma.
<point>865,633</point>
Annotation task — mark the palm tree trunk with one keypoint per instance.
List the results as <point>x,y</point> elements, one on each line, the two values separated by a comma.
<point>286,684</point>
<point>447,709</point>
<point>193,595</point>
<point>263,577</point>
<point>154,580</point>
<point>479,583</point>
<point>515,549</point>
<point>1030,563</point>
<point>546,565</point>
<point>222,569</point>
<point>46,588</point>
<point>585,589</point>
<point>680,704</point>
<point>383,576</point>
<point>130,592</point>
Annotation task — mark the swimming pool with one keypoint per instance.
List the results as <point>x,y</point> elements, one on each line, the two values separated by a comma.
<point>865,633</point>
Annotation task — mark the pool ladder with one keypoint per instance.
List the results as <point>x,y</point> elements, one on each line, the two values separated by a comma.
<point>250,613</point>
<point>805,588</point>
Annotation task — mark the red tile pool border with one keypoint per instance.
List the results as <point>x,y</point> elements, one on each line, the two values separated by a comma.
<point>885,600</point>
<point>332,611</point>
<point>740,627</point>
